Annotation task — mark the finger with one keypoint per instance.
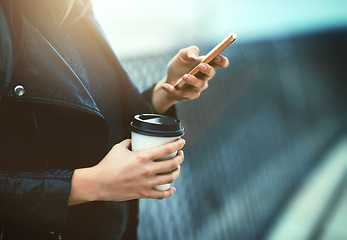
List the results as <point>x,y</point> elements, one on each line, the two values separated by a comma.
<point>156,194</point>
<point>192,93</point>
<point>193,81</point>
<point>189,54</point>
<point>169,165</point>
<point>167,178</point>
<point>220,62</point>
<point>208,70</point>
<point>168,88</point>
<point>163,150</point>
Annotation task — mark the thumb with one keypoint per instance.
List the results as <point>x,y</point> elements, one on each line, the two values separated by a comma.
<point>125,144</point>
<point>190,53</point>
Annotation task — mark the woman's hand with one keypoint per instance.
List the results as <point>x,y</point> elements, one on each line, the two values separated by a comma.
<point>165,94</point>
<point>124,174</point>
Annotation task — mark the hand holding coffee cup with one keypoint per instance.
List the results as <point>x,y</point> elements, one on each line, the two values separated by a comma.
<point>150,130</point>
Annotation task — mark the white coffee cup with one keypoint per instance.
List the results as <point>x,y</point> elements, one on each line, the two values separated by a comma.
<point>151,130</point>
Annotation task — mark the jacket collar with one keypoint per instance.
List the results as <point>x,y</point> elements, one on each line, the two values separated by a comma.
<point>44,73</point>
<point>6,61</point>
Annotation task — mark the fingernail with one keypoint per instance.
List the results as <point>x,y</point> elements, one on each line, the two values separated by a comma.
<point>203,67</point>
<point>184,141</point>
<point>187,78</point>
<point>218,59</point>
<point>166,87</point>
<point>192,55</point>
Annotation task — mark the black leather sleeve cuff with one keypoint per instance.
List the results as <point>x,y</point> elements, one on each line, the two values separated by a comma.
<point>38,198</point>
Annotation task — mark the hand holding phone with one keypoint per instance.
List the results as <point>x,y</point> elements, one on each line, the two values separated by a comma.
<point>210,56</point>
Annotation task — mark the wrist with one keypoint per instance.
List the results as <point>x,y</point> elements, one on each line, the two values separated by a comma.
<point>161,100</point>
<point>83,186</point>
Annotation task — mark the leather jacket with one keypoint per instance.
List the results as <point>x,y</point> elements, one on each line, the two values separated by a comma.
<point>52,118</point>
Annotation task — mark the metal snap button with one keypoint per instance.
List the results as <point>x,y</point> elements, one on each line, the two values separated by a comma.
<point>19,90</point>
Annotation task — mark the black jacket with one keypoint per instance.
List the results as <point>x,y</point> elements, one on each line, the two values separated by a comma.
<point>53,81</point>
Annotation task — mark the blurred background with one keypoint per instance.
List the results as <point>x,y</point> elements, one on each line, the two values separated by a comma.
<point>136,27</point>
<point>266,152</point>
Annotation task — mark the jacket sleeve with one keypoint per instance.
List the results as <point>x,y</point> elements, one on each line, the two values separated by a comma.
<point>35,197</point>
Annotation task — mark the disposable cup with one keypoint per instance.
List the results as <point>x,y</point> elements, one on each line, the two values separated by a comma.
<point>151,130</point>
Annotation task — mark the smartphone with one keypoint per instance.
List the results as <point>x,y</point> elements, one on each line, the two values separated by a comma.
<point>210,56</point>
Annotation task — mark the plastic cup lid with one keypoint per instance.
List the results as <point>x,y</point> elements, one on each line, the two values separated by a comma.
<point>156,125</point>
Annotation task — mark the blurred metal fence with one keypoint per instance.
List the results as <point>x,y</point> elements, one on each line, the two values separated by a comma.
<point>252,137</point>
